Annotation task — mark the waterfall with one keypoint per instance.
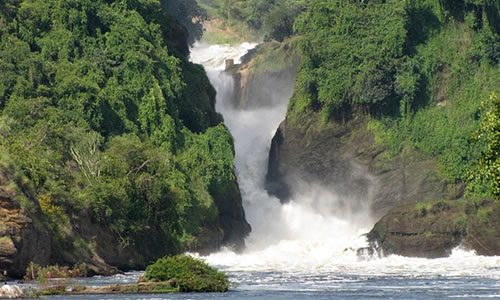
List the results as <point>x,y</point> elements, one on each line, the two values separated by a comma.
<point>304,231</point>
<point>308,234</point>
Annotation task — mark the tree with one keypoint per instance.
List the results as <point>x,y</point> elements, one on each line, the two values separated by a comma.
<point>278,23</point>
<point>487,171</point>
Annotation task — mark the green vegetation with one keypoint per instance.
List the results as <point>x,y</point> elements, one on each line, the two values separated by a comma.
<point>35,272</point>
<point>172,274</point>
<point>102,115</point>
<point>216,38</point>
<point>485,177</point>
<point>257,19</point>
<point>418,69</point>
<point>350,50</point>
<point>274,57</point>
<point>424,208</point>
<point>188,274</point>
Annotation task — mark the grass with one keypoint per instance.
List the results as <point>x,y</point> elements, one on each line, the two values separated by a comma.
<point>423,208</point>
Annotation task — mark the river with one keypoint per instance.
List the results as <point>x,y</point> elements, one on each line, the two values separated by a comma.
<point>297,251</point>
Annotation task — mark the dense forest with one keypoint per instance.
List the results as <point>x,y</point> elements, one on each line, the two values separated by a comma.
<point>256,19</point>
<point>103,117</point>
<point>420,68</point>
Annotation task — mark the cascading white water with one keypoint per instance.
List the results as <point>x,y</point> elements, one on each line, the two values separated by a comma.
<point>300,229</point>
<point>308,234</point>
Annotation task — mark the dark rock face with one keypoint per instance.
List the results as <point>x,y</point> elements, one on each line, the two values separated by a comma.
<point>110,253</point>
<point>22,239</point>
<point>232,219</point>
<point>419,214</point>
<point>483,227</point>
<point>420,232</point>
<point>262,90</point>
<point>346,159</point>
<point>258,86</point>
<point>433,229</point>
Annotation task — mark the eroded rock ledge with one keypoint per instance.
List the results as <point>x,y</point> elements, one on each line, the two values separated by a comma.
<point>433,229</point>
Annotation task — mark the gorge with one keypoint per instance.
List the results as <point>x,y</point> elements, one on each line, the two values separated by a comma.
<point>337,160</point>
<point>310,244</point>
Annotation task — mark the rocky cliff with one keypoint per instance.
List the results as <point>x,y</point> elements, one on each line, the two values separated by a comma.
<point>342,156</point>
<point>22,238</point>
<point>345,158</point>
<point>26,237</point>
<point>265,76</point>
<point>386,119</point>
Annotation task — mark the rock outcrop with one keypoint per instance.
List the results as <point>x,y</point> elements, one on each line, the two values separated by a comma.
<point>425,230</point>
<point>265,77</point>
<point>346,159</point>
<point>433,229</point>
<point>483,227</point>
<point>231,217</point>
<point>23,238</point>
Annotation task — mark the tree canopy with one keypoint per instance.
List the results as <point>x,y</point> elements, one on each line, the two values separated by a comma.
<point>98,106</point>
<point>418,69</point>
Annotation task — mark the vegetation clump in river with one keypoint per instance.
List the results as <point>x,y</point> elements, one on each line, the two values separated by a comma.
<point>36,272</point>
<point>187,274</point>
<point>173,274</point>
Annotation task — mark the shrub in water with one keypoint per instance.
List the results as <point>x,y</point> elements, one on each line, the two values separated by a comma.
<point>188,274</point>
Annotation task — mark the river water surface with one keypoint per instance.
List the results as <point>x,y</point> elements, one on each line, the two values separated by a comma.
<point>306,249</point>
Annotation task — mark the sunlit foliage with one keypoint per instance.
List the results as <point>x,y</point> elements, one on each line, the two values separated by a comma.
<point>98,107</point>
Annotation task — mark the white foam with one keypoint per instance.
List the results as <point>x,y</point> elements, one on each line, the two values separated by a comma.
<point>214,56</point>
<point>10,291</point>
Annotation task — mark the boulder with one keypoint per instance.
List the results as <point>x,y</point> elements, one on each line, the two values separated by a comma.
<point>430,229</point>
<point>434,228</point>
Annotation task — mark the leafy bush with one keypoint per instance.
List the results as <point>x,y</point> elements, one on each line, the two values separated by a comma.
<point>188,274</point>
<point>485,177</point>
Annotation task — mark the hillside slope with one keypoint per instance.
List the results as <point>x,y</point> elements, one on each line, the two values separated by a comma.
<point>111,152</point>
<point>387,100</point>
